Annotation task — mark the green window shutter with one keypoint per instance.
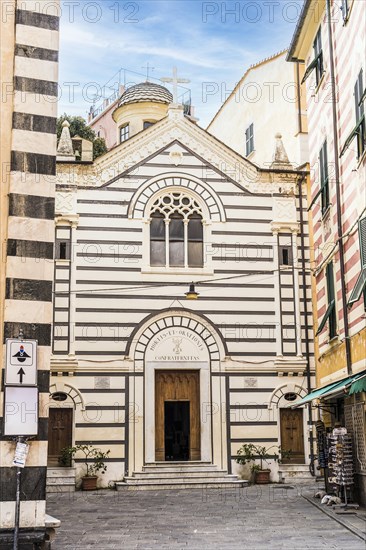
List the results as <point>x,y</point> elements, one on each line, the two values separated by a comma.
<point>359,287</point>
<point>328,313</point>
<point>362,237</point>
<point>363,97</point>
<point>331,299</point>
<point>310,68</point>
<point>359,130</point>
<point>330,282</point>
<point>318,193</point>
<point>358,96</point>
<point>352,135</point>
<point>324,179</point>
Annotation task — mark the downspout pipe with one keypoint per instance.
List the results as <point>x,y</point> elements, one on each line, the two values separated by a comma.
<point>338,194</point>
<point>306,323</point>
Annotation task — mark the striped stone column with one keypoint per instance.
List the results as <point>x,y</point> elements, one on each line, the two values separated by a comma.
<point>30,241</point>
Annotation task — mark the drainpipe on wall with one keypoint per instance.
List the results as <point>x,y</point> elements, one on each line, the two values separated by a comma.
<point>298,96</point>
<point>338,194</point>
<point>306,325</point>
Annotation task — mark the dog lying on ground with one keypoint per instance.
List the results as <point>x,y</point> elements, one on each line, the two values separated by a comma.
<point>330,500</point>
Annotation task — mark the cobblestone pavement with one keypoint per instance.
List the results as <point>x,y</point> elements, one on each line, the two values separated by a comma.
<point>269,517</point>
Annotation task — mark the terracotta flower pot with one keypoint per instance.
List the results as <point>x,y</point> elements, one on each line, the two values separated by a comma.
<point>262,477</point>
<point>89,483</point>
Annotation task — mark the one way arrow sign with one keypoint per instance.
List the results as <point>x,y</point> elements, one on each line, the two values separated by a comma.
<point>21,374</point>
<point>21,362</point>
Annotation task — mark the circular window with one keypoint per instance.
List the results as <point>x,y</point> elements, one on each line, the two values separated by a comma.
<point>59,396</point>
<point>290,396</point>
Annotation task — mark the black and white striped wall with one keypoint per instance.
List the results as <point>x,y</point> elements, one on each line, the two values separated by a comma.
<point>30,242</point>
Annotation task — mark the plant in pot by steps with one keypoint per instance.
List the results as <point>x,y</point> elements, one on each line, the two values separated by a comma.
<point>249,453</point>
<point>93,460</point>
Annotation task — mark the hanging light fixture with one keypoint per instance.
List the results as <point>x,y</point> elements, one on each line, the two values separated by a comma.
<point>192,294</point>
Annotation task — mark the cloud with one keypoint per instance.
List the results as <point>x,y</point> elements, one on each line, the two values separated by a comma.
<point>166,34</point>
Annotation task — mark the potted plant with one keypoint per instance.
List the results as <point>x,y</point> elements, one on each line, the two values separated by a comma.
<point>93,460</point>
<point>250,452</point>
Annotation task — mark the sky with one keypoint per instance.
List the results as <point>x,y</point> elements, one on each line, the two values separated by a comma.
<point>211,43</point>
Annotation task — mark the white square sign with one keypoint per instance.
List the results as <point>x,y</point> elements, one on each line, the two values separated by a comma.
<point>21,411</point>
<point>21,362</point>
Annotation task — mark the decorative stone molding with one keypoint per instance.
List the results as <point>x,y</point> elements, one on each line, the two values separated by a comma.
<point>246,174</point>
<point>180,319</point>
<point>176,157</point>
<point>70,390</point>
<point>64,364</point>
<point>65,203</point>
<point>280,391</point>
<point>285,227</point>
<point>71,219</point>
<point>290,366</point>
<point>168,182</point>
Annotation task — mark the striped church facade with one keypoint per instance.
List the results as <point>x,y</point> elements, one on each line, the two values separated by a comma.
<point>118,320</point>
<point>330,39</point>
<point>31,35</point>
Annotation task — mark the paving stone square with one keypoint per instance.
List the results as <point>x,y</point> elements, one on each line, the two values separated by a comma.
<point>254,518</point>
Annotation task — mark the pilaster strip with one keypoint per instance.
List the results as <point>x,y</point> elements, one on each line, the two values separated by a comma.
<point>31,199</point>
<point>36,19</point>
<point>28,289</point>
<point>23,50</point>
<point>31,206</point>
<point>34,123</point>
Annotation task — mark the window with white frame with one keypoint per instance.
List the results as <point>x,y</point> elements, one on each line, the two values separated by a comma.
<point>124,133</point>
<point>176,232</point>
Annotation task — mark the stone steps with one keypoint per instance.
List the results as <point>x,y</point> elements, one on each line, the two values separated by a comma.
<point>179,468</point>
<point>295,474</point>
<point>179,484</point>
<point>180,475</point>
<point>173,475</point>
<point>60,480</point>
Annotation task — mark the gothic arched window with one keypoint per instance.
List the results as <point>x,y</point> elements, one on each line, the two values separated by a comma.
<point>176,232</point>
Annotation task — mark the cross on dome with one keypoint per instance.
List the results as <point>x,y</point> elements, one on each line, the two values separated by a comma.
<point>148,69</point>
<point>175,81</point>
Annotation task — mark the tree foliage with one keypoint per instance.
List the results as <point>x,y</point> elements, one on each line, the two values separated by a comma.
<point>79,127</point>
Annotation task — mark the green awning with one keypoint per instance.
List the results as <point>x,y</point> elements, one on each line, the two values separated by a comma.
<point>332,389</point>
<point>358,386</point>
<point>316,394</point>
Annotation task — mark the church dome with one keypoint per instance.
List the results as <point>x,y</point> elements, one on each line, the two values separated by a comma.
<point>146,92</point>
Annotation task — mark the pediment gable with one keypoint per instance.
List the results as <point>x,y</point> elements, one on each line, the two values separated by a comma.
<point>169,143</point>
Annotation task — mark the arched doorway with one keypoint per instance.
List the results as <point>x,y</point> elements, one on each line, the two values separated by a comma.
<point>177,352</point>
<point>291,422</point>
<point>62,404</point>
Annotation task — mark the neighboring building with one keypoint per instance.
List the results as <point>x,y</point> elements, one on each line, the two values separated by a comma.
<point>104,119</point>
<point>330,39</point>
<point>168,206</point>
<point>100,119</point>
<point>268,100</point>
<point>29,84</point>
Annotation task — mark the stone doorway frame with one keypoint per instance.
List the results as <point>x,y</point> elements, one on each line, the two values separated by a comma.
<point>213,409</point>
<point>205,397</point>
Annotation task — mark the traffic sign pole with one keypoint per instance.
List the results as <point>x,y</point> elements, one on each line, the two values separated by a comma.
<point>19,440</point>
<point>20,406</point>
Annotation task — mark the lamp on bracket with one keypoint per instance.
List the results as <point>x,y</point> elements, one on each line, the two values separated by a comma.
<point>192,294</point>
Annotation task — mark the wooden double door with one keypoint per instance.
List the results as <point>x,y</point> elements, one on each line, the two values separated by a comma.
<point>292,435</point>
<point>177,415</point>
